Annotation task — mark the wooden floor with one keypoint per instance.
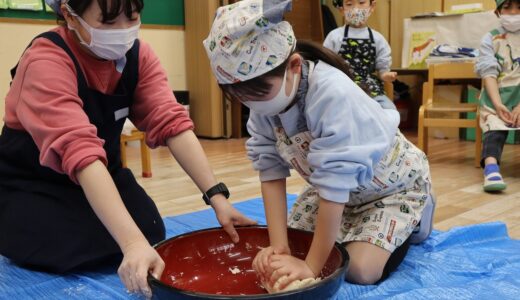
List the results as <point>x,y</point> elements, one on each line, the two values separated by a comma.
<point>456,182</point>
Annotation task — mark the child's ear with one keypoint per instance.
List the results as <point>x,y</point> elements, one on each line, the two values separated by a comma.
<point>373,6</point>
<point>295,63</point>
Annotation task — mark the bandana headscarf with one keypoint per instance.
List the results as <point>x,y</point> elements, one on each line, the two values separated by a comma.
<point>248,39</point>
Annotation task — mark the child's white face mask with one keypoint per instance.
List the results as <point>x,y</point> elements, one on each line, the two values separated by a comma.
<point>357,16</point>
<point>510,22</point>
<point>109,44</point>
<point>278,103</point>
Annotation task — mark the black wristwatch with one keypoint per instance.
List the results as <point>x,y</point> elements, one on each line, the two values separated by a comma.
<point>220,188</point>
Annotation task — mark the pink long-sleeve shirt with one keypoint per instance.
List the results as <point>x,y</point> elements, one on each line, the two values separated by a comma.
<point>43,101</point>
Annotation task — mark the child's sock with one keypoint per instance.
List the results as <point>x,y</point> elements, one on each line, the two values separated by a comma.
<point>491,168</point>
<point>492,179</point>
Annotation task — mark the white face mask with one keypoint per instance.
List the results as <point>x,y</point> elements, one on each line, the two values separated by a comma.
<point>109,44</point>
<point>278,103</point>
<point>510,22</point>
<point>357,16</point>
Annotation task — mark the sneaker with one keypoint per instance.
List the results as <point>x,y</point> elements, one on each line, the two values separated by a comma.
<point>493,182</point>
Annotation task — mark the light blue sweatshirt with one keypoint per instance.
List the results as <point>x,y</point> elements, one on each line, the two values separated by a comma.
<point>350,132</point>
<point>487,64</point>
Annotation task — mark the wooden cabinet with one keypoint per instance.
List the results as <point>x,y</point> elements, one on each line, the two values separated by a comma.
<point>306,20</point>
<point>206,103</point>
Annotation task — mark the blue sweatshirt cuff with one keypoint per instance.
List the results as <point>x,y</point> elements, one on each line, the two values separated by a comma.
<point>278,172</point>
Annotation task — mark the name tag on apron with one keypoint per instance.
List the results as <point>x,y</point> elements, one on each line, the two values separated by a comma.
<point>121,113</point>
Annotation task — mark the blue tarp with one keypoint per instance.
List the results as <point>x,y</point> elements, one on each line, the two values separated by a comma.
<point>473,262</point>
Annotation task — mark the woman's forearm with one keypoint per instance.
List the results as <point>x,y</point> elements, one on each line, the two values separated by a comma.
<point>327,228</point>
<point>105,200</point>
<point>275,205</point>
<point>188,152</point>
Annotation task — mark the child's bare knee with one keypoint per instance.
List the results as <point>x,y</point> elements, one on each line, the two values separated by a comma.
<point>363,273</point>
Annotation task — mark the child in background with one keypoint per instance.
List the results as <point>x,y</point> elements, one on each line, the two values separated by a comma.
<point>369,187</point>
<point>499,67</point>
<point>365,49</point>
<point>65,200</point>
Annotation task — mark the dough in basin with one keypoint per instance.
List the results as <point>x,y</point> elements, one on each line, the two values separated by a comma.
<point>297,284</point>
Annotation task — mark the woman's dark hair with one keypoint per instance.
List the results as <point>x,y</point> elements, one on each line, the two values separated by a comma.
<point>110,9</point>
<point>260,86</point>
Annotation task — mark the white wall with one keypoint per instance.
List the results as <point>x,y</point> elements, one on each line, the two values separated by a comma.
<point>168,44</point>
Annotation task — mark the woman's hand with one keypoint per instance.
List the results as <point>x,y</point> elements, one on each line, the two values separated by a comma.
<point>504,114</point>
<point>139,257</point>
<point>262,261</point>
<point>229,217</point>
<point>290,266</point>
<point>139,260</point>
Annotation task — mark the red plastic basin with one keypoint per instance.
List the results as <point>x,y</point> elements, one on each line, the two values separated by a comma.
<point>200,265</point>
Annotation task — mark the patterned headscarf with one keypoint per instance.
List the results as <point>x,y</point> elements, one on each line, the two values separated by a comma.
<point>248,39</point>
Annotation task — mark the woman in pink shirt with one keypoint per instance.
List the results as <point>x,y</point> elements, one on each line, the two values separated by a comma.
<point>66,202</point>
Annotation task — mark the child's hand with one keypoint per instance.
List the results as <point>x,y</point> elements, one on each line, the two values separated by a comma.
<point>290,266</point>
<point>139,260</point>
<point>515,117</point>
<point>389,76</point>
<point>229,217</point>
<point>262,261</point>
<point>504,114</point>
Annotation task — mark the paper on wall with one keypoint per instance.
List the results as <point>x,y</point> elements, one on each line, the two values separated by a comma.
<point>465,30</point>
<point>421,45</point>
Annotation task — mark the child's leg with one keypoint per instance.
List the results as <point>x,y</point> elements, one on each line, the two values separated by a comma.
<point>367,262</point>
<point>493,144</point>
<point>370,264</point>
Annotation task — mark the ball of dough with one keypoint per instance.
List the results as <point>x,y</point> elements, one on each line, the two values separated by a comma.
<point>297,284</point>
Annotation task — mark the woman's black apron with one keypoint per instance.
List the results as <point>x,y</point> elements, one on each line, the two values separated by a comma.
<point>45,218</point>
